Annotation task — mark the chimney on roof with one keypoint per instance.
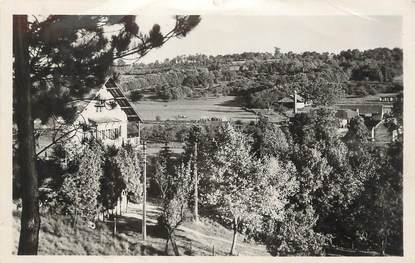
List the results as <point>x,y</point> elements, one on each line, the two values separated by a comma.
<point>295,102</point>
<point>357,111</point>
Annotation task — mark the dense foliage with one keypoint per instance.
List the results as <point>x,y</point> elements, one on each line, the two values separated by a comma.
<point>261,79</point>
<point>175,186</point>
<point>302,189</point>
<point>82,179</point>
<point>79,191</point>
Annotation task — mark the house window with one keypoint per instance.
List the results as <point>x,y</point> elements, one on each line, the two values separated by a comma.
<point>99,105</point>
<point>111,134</point>
<point>117,132</point>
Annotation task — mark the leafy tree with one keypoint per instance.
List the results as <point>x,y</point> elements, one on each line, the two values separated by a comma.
<point>80,190</point>
<point>234,176</point>
<point>378,211</point>
<point>275,142</point>
<point>313,170</point>
<point>357,135</point>
<point>330,173</point>
<point>112,183</point>
<point>176,189</point>
<point>294,235</point>
<point>276,185</point>
<point>269,139</point>
<point>128,161</point>
<point>122,174</point>
<point>314,129</point>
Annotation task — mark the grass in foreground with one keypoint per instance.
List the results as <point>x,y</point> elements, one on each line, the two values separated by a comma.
<point>58,237</point>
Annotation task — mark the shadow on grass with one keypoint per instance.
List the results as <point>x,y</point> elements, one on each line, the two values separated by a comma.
<point>192,247</point>
<point>229,103</point>
<point>147,250</point>
<point>128,225</point>
<point>207,213</point>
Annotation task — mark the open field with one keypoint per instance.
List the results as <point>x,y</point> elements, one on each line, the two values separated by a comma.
<point>193,109</point>
<point>219,107</point>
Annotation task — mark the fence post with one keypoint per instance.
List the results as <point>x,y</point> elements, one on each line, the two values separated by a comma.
<point>115,225</point>
<point>144,189</point>
<point>196,186</point>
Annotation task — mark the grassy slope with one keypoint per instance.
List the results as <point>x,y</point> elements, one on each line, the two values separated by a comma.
<point>57,237</point>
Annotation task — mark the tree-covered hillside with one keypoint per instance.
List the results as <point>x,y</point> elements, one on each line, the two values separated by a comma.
<point>260,79</point>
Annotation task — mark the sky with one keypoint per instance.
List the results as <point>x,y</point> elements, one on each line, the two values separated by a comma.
<point>227,34</point>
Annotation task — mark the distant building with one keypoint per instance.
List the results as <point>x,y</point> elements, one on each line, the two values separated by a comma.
<point>390,97</point>
<point>385,132</point>
<point>374,111</point>
<point>344,116</point>
<point>238,65</point>
<point>110,118</point>
<point>398,79</point>
<point>294,101</point>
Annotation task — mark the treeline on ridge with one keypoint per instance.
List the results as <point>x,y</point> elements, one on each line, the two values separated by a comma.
<point>260,79</point>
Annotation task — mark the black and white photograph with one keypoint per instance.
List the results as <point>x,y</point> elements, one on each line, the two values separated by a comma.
<point>207,134</point>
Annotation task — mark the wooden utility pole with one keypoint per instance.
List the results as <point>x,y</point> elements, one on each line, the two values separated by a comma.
<point>196,185</point>
<point>144,189</point>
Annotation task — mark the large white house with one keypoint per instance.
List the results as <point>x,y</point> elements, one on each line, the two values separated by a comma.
<point>110,118</point>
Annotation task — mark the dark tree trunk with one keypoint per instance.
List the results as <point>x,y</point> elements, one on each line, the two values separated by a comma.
<point>120,205</point>
<point>30,220</point>
<point>383,246</point>
<point>235,233</point>
<point>174,245</point>
<point>166,248</point>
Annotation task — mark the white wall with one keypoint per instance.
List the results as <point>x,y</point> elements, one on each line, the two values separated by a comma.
<point>90,111</point>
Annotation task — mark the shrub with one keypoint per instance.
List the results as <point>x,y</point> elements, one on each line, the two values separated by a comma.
<point>372,90</point>
<point>136,95</point>
<point>360,91</point>
<point>295,235</point>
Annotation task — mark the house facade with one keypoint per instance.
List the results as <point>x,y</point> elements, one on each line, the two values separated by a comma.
<point>110,118</point>
<point>375,111</point>
<point>385,132</point>
<point>295,102</point>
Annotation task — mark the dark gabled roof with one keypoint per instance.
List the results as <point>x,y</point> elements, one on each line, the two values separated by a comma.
<point>122,100</point>
<point>290,99</point>
<point>388,95</point>
<point>286,100</point>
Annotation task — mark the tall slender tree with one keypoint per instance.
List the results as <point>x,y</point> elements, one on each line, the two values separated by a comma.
<point>30,221</point>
